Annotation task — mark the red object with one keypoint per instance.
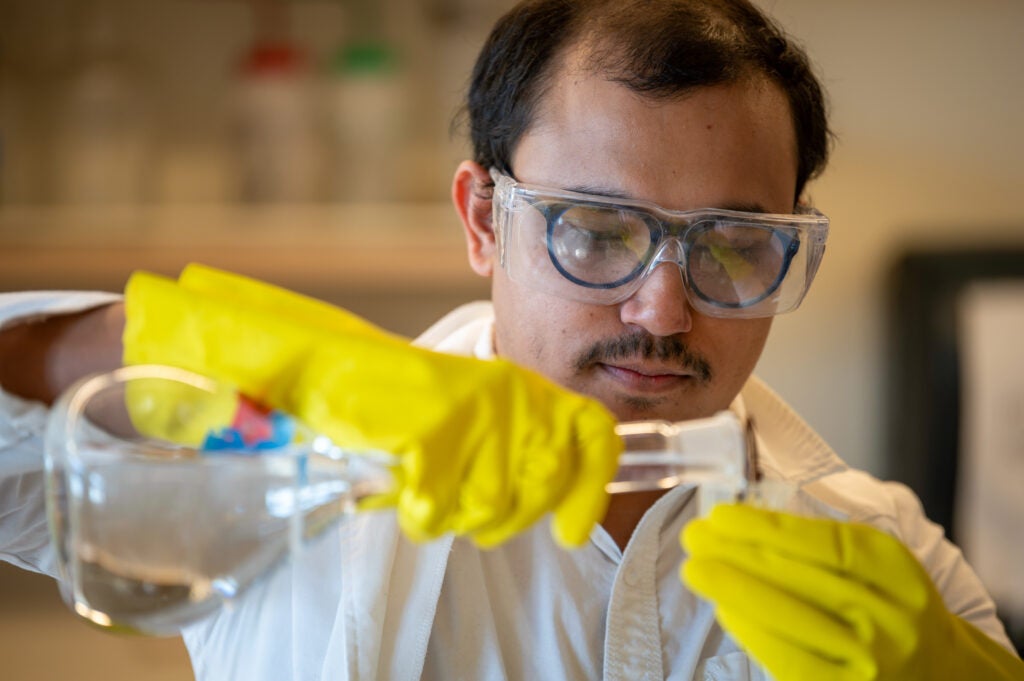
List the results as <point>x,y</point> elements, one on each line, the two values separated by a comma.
<point>252,421</point>
<point>274,58</point>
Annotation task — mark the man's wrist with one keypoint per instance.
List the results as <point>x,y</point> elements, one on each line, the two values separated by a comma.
<point>39,358</point>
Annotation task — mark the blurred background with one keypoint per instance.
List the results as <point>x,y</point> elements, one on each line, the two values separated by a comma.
<point>308,143</point>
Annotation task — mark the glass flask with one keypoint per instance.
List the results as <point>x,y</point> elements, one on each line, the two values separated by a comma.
<point>718,454</point>
<point>168,493</point>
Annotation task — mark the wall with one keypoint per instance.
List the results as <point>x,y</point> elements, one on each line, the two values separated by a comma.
<point>926,100</point>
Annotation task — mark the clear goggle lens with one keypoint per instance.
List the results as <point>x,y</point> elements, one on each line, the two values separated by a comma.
<point>599,250</point>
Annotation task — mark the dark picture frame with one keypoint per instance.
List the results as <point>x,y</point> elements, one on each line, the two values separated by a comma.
<point>924,363</point>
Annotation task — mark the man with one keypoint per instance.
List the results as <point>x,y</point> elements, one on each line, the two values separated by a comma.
<point>635,197</point>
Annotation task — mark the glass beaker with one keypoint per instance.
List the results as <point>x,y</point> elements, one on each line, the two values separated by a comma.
<point>168,494</point>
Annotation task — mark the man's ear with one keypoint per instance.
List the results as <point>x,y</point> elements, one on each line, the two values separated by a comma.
<point>472,189</point>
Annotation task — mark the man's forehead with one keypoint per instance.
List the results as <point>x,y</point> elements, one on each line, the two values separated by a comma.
<point>598,136</point>
<point>578,78</point>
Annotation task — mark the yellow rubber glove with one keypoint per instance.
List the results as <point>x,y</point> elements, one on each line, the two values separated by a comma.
<point>486,448</point>
<point>814,599</point>
<point>244,291</point>
<point>178,412</point>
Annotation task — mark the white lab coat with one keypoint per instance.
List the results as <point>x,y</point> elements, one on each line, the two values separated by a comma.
<point>360,602</point>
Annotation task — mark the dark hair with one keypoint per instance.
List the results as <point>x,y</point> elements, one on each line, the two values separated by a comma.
<point>658,48</point>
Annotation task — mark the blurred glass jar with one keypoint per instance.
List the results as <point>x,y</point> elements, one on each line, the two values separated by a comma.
<point>103,136</point>
<point>276,131</point>
<point>366,98</point>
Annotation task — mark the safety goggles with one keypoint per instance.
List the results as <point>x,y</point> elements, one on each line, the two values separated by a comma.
<point>596,249</point>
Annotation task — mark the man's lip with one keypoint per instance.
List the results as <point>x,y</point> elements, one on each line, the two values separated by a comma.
<point>650,370</point>
<point>646,377</point>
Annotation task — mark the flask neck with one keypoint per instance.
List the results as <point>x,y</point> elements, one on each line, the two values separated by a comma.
<point>661,454</point>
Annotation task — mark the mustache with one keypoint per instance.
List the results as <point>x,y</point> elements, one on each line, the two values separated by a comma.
<point>642,345</point>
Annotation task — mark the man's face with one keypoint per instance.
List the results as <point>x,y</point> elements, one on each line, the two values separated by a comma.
<point>651,356</point>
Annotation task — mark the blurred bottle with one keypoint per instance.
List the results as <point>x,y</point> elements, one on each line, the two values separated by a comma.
<point>275,114</point>
<point>368,107</point>
<point>103,129</point>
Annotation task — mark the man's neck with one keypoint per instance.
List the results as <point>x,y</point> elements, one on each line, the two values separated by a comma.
<point>624,514</point>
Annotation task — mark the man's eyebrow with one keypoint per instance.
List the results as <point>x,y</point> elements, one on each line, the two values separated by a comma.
<point>600,191</point>
<point>744,207</point>
<point>741,206</point>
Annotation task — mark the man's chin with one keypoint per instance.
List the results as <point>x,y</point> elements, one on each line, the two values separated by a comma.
<point>642,408</point>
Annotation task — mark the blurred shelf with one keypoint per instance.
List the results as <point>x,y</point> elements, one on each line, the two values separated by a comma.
<point>375,248</point>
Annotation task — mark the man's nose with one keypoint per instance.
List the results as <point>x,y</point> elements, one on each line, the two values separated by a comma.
<point>660,305</point>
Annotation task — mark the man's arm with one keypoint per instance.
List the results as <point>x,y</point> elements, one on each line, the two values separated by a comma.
<point>48,340</point>
<point>39,358</point>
